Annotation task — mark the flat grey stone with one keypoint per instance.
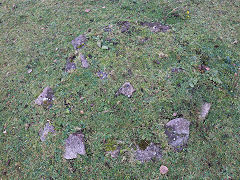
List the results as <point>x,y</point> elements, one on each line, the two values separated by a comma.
<point>84,61</point>
<point>127,90</point>
<point>70,66</point>
<point>204,110</point>
<point>150,153</point>
<point>177,131</point>
<point>44,132</point>
<point>74,145</point>
<point>79,42</point>
<point>46,97</point>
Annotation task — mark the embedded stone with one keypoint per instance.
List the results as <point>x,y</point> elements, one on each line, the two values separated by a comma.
<point>44,132</point>
<point>127,90</point>
<point>102,75</point>
<point>70,66</point>
<point>84,61</point>
<point>151,152</point>
<point>74,145</point>
<point>46,97</point>
<point>177,131</point>
<point>204,110</point>
<point>79,42</point>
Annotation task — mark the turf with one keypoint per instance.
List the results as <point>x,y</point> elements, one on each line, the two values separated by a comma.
<point>37,35</point>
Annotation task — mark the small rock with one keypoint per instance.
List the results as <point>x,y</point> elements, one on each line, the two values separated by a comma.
<point>156,61</point>
<point>107,28</point>
<point>29,71</point>
<point>235,42</point>
<point>127,90</point>
<point>99,43</point>
<point>46,97</point>
<point>163,169</point>
<point>102,75</point>
<point>207,68</point>
<point>129,72</point>
<point>177,131</point>
<point>162,55</point>
<point>105,47</point>
<point>74,145</point>
<point>151,152</point>
<point>204,111</point>
<point>27,126</point>
<point>44,132</point>
<point>202,68</point>
<point>14,6</point>
<point>70,66</point>
<point>81,112</point>
<point>124,25</point>
<point>79,42</point>
<point>156,26</point>
<point>177,70</point>
<point>84,61</point>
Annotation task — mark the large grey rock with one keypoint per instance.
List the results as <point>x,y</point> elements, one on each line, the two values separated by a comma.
<point>127,90</point>
<point>74,145</point>
<point>177,131</point>
<point>46,97</point>
<point>44,132</point>
<point>79,42</point>
<point>150,153</point>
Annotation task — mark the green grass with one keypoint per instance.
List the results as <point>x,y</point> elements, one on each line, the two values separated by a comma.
<point>38,35</point>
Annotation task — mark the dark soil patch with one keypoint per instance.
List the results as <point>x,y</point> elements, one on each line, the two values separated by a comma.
<point>156,26</point>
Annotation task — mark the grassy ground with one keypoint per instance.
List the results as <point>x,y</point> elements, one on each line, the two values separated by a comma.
<point>37,35</point>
